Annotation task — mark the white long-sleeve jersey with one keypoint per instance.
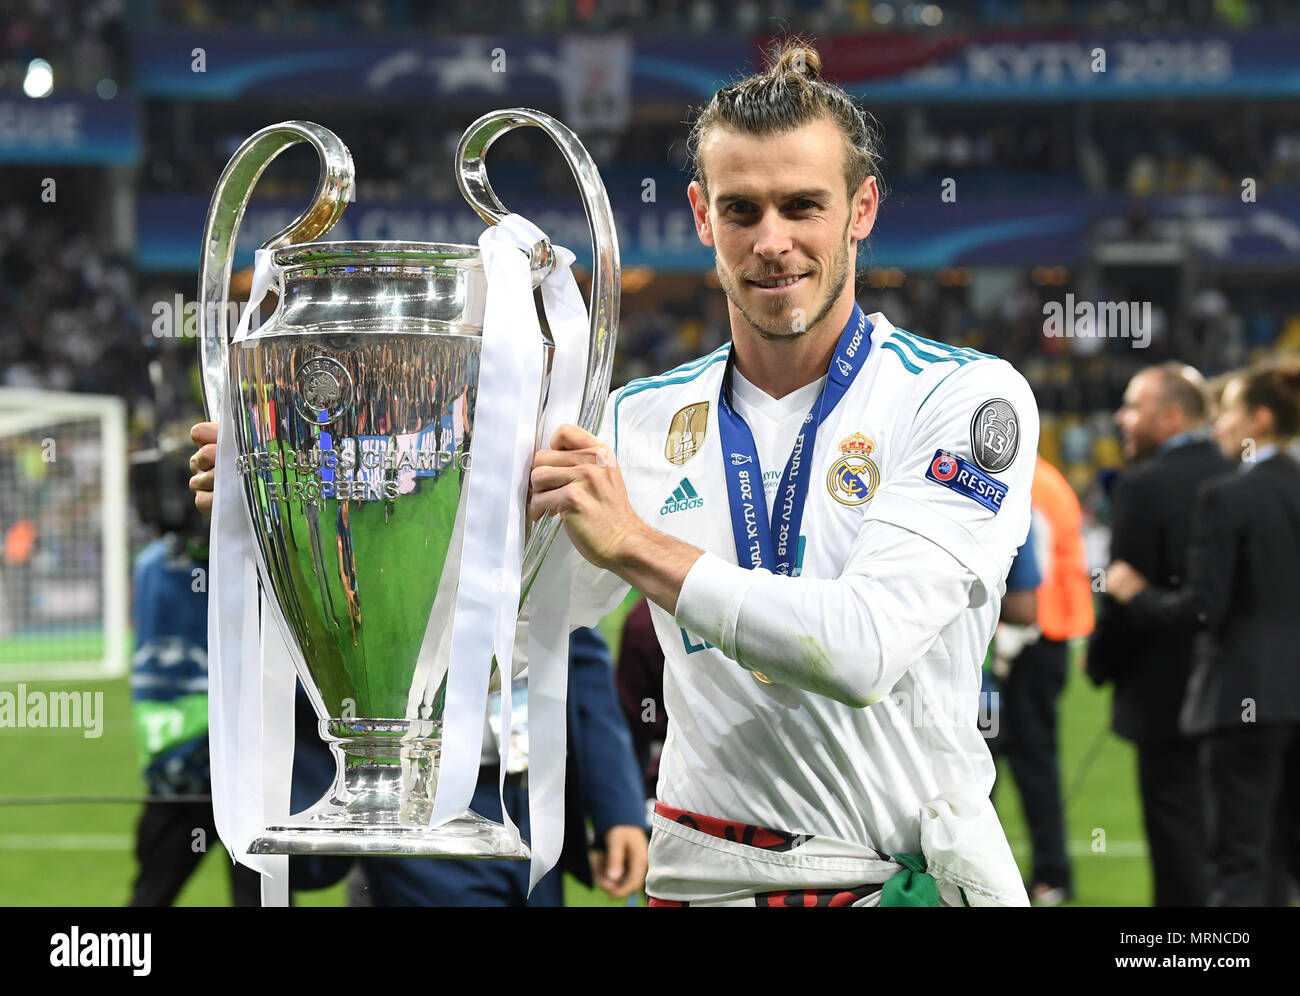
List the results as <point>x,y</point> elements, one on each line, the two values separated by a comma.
<point>917,503</point>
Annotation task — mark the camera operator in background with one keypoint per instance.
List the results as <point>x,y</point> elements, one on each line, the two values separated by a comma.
<point>169,687</point>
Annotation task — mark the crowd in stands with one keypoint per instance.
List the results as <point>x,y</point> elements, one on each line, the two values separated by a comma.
<point>1179,155</point>
<point>69,318</point>
<point>1020,142</point>
<point>84,41</point>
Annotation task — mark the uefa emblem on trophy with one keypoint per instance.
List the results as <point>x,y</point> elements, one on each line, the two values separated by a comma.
<point>354,411</point>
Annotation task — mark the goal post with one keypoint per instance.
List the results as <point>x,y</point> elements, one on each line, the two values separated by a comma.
<point>64,520</point>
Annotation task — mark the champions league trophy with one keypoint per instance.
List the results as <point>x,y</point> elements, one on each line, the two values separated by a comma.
<point>354,413</point>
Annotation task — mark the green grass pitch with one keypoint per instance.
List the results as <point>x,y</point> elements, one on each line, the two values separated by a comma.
<point>50,648</point>
<point>81,854</point>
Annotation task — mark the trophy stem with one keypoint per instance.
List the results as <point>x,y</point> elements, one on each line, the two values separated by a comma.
<point>381,800</point>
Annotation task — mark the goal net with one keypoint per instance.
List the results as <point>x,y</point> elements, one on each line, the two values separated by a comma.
<point>63,536</point>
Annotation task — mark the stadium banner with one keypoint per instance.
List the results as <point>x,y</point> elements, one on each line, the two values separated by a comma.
<point>203,65</point>
<point>916,232</point>
<point>69,130</point>
<point>913,232</point>
<point>1029,65</point>
<point>170,228</point>
<point>1061,64</point>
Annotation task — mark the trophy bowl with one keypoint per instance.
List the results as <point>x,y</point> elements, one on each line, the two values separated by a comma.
<point>353,408</point>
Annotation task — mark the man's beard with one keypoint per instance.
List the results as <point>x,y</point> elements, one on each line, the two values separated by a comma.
<point>782,326</point>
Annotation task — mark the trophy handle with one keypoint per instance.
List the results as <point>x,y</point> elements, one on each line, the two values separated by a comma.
<point>471,177</point>
<point>333,191</point>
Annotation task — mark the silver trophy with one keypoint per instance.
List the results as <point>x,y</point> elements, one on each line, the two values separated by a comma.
<point>354,409</point>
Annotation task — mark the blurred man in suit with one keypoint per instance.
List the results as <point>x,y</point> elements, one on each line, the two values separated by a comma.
<point>1166,438</point>
<point>1244,696</point>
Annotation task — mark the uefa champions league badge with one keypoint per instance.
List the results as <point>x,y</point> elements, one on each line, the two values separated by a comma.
<point>323,390</point>
<point>854,477</point>
<point>962,476</point>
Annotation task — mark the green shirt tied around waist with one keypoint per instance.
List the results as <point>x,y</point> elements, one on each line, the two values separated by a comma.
<point>912,885</point>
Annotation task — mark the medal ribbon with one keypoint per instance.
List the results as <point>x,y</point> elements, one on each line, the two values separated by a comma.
<point>760,543</point>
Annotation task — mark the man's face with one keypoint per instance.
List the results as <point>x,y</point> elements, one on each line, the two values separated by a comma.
<point>781,225</point>
<point>1145,419</point>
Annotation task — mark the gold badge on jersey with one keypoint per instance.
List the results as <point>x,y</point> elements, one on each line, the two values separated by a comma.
<point>854,477</point>
<point>686,432</point>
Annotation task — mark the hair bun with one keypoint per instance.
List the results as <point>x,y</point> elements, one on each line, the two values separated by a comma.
<point>800,59</point>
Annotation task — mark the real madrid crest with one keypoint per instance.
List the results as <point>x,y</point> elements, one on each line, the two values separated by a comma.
<point>854,477</point>
<point>686,432</point>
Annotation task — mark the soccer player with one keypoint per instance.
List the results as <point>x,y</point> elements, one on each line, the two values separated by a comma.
<point>822,514</point>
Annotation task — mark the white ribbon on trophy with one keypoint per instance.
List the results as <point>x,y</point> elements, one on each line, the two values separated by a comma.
<point>548,601</point>
<point>251,677</point>
<point>487,602</point>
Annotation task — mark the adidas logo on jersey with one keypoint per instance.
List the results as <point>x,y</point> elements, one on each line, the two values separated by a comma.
<point>683,497</point>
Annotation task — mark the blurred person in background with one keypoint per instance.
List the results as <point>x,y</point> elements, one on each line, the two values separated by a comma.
<point>1243,700</point>
<point>1167,441</point>
<point>29,492</point>
<point>1037,674</point>
<point>19,542</point>
<point>1016,627</point>
<point>169,686</point>
<point>640,680</point>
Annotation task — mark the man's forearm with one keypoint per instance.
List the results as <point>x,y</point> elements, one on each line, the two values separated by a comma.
<point>656,565</point>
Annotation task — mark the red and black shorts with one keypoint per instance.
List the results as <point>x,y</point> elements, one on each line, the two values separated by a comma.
<point>768,840</point>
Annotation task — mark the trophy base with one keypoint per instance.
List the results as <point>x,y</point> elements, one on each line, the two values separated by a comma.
<point>468,836</point>
<point>382,798</point>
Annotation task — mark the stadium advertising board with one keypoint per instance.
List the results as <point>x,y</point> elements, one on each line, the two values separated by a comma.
<point>69,130</point>
<point>989,230</point>
<point>953,67</point>
<point>504,68</point>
